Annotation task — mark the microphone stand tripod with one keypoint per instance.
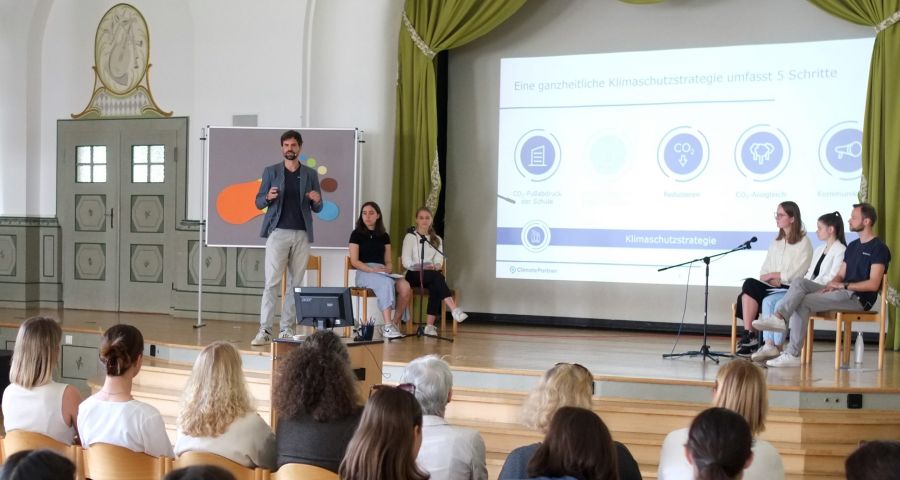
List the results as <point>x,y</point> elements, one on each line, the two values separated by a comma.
<point>704,351</point>
<point>420,332</point>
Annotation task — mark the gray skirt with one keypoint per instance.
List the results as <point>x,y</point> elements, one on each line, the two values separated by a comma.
<point>382,285</point>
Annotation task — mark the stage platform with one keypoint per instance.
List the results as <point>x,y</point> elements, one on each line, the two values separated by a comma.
<point>509,357</point>
<point>640,395</point>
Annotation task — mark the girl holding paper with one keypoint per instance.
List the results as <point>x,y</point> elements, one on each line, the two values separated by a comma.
<point>370,255</point>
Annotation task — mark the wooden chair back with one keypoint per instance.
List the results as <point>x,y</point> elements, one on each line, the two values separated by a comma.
<point>363,293</point>
<point>314,262</point>
<point>240,472</point>
<point>300,471</point>
<point>103,461</point>
<point>20,440</point>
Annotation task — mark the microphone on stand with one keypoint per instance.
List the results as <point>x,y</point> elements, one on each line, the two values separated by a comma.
<point>411,230</point>
<point>748,242</point>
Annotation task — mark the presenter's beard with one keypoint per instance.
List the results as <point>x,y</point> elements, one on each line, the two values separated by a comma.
<point>290,156</point>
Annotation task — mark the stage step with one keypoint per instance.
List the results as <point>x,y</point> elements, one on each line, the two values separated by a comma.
<point>163,374</point>
<point>813,443</point>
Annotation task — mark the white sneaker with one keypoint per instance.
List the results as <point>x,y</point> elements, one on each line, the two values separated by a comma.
<point>770,324</point>
<point>390,331</point>
<point>430,330</point>
<point>767,352</point>
<point>261,338</point>
<point>784,360</point>
<point>286,333</point>
<point>459,315</point>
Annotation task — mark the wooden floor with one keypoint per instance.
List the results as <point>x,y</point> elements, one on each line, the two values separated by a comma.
<point>524,350</point>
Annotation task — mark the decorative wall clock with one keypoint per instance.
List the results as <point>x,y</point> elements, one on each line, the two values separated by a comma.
<point>121,67</point>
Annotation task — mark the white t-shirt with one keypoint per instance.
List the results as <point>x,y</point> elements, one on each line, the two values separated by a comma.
<point>37,410</point>
<point>450,452</point>
<point>248,441</point>
<point>673,464</point>
<point>134,425</point>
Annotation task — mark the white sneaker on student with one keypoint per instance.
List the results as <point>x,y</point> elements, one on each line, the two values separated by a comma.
<point>390,331</point>
<point>770,324</point>
<point>784,360</point>
<point>286,333</point>
<point>766,353</point>
<point>261,338</point>
<point>430,330</point>
<point>459,315</point>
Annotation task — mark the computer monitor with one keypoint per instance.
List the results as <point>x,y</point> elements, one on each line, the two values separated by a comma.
<point>324,307</point>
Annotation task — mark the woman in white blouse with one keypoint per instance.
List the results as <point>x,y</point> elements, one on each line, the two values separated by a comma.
<point>425,270</point>
<point>217,415</point>
<point>33,402</point>
<point>112,415</point>
<point>787,258</point>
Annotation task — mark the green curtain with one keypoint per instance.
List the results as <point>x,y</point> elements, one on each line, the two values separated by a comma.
<point>881,143</point>
<point>429,27</point>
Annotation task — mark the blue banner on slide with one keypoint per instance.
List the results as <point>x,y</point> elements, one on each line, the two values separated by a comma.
<point>675,239</point>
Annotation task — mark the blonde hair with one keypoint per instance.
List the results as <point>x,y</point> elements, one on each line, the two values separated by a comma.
<point>741,388</point>
<point>36,353</point>
<point>216,393</point>
<point>564,385</point>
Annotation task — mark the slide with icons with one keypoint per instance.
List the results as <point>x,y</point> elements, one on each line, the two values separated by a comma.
<point>613,165</point>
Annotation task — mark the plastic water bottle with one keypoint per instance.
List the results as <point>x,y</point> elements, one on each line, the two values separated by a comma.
<point>859,349</point>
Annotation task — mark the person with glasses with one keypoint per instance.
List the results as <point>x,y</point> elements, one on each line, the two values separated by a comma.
<point>317,403</point>
<point>825,264</point>
<point>388,438</point>
<point>448,452</point>
<point>33,402</point>
<point>740,387</point>
<point>787,258</point>
<point>564,385</point>
<point>855,287</point>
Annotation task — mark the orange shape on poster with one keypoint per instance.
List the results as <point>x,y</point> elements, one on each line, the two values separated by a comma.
<point>236,203</point>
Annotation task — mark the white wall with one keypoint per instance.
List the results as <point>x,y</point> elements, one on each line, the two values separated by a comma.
<point>21,27</point>
<point>290,62</point>
<point>209,61</point>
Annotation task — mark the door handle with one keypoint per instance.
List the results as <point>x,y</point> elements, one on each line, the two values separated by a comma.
<point>111,215</point>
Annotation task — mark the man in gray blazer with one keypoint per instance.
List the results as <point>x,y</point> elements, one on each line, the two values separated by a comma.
<point>290,192</point>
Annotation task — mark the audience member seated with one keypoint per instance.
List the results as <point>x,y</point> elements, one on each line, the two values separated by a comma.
<point>33,402</point>
<point>317,404</point>
<point>200,472</point>
<point>112,415</point>
<point>564,385</point>
<point>740,387</point>
<point>37,465</point>
<point>719,445</point>
<point>448,451</point>
<point>875,460</point>
<point>217,415</point>
<point>388,438</point>
<point>577,445</point>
